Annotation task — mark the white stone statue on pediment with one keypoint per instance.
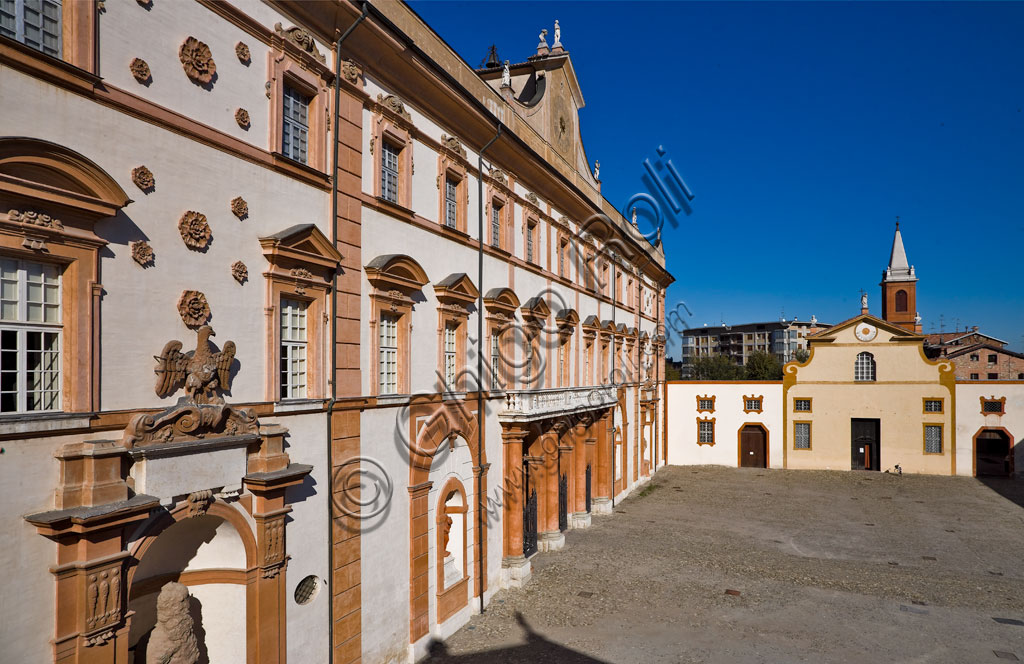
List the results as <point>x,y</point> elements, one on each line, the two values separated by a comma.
<point>558,35</point>
<point>506,76</point>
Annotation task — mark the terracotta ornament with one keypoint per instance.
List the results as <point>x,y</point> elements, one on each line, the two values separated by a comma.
<point>242,118</point>
<point>142,253</point>
<point>242,51</point>
<point>351,71</point>
<point>201,371</point>
<point>239,271</point>
<point>301,38</point>
<point>35,218</point>
<point>195,231</point>
<point>239,207</point>
<point>193,308</point>
<point>143,178</point>
<point>197,60</point>
<point>140,70</point>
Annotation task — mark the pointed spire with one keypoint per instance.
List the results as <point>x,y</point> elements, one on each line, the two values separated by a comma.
<point>899,268</point>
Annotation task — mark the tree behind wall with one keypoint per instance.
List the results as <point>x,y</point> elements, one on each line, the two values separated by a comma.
<point>716,367</point>
<point>763,366</point>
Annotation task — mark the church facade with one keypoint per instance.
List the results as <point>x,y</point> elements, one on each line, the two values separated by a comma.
<point>312,335</point>
<point>869,397</point>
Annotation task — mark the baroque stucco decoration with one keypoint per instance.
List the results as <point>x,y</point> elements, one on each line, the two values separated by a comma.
<point>351,71</point>
<point>499,176</point>
<point>197,61</point>
<point>532,197</point>
<point>242,118</point>
<point>173,640</point>
<point>394,104</point>
<point>140,70</point>
<point>142,253</point>
<point>301,38</point>
<point>453,144</point>
<point>195,231</point>
<point>143,178</point>
<point>239,207</point>
<point>35,218</point>
<point>193,308</point>
<point>242,51</point>
<point>239,271</point>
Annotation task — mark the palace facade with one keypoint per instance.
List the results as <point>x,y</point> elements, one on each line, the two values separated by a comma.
<point>303,314</point>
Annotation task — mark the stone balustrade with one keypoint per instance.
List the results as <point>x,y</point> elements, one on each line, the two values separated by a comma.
<point>529,405</point>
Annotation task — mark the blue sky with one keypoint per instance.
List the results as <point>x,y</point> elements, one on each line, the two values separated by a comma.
<point>803,129</point>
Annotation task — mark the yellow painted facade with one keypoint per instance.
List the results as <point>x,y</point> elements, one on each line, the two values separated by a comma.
<point>903,379</point>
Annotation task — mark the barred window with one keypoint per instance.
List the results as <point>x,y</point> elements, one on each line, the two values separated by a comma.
<point>293,349</point>
<point>802,435</point>
<point>933,439</point>
<point>864,369</point>
<point>752,404</point>
<point>992,406</point>
<point>933,405</point>
<point>974,376</point>
<point>705,404</point>
<point>449,356</point>
<point>388,369</point>
<point>705,432</point>
<point>389,172</point>
<point>496,225</point>
<point>30,336</point>
<point>561,259</point>
<point>35,23</point>
<point>495,360</point>
<point>451,205</point>
<point>802,405</point>
<point>529,242</point>
<point>295,134</point>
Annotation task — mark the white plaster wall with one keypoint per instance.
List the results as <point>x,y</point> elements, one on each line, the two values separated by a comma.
<point>729,418</point>
<point>155,32</point>
<point>223,617</point>
<point>969,420</point>
<point>139,305</point>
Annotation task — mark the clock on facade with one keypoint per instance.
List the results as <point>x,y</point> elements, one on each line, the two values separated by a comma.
<point>866,331</point>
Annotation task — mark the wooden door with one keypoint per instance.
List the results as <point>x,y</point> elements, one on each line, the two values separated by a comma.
<point>753,447</point>
<point>865,446</point>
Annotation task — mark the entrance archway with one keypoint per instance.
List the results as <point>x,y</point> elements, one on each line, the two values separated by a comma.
<point>752,446</point>
<point>993,453</point>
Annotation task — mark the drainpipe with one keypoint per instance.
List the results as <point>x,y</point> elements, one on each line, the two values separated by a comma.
<point>334,329</point>
<point>481,563</point>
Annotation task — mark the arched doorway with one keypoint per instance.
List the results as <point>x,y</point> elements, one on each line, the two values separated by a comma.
<point>753,446</point>
<point>993,453</point>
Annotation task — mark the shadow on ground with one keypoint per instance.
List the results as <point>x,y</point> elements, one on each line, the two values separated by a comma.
<point>535,649</point>
<point>1009,488</point>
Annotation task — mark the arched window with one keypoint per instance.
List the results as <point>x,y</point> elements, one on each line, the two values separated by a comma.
<point>864,369</point>
<point>901,300</point>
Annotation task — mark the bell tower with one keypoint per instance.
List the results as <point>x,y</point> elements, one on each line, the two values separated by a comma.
<point>899,288</point>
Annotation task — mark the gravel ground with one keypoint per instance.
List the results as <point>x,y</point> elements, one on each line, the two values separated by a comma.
<point>822,566</point>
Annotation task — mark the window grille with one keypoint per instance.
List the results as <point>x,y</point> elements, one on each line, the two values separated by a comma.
<point>706,432</point>
<point>992,406</point>
<point>752,404</point>
<point>388,369</point>
<point>802,405</point>
<point>864,369</point>
<point>933,405</point>
<point>706,404</point>
<point>449,356</point>
<point>802,431</point>
<point>30,336</point>
<point>35,23</point>
<point>451,206</point>
<point>389,172</point>
<point>295,134</point>
<point>933,439</point>
<point>495,360</point>
<point>529,243</point>
<point>496,225</point>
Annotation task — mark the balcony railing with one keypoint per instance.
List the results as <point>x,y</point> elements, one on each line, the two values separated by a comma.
<point>528,405</point>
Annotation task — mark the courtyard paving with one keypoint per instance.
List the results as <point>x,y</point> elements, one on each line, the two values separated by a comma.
<point>820,566</point>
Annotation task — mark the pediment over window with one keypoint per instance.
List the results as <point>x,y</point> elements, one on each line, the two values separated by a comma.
<point>592,323</point>
<point>567,318</point>
<point>396,272</point>
<point>608,326</point>
<point>302,249</point>
<point>501,301</point>
<point>457,289</point>
<point>535,309</point>
<point>644,336</point>
<point>47,178</point>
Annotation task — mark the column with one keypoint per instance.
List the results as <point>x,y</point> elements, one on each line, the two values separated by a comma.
<point>603,443</point>
<point>549,537</point>
<point>580,516</point>
<point>515,568</point>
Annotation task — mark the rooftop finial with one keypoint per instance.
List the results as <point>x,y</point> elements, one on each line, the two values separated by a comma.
<point>897,222</point>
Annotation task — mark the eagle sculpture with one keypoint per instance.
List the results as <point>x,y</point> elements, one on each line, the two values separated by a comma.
<point>202,370</point>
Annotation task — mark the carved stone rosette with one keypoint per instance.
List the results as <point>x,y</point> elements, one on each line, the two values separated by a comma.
<point>239,271</point>
<point>197,60</point>
<point>351,71</point>
<point>193,308</point>
<point>239,207</point>
<point>394,104</point>
<point>195,231</point>
<point>242,51</point>
<point>143,178</point>
<point>140,70</point>
<point>142,253</point>
<point>242,118</point>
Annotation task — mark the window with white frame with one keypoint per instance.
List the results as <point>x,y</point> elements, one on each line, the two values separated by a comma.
<point>451,204</point>
<point>388,370</point>
<point>496,225</point>
<point>933,439</point>
<point>802,435</point>
<point>752,404</point>
<point>295,132</point>
<point>35,23</point>
<point>706,431</point>
<point>449,356</point>
<point>293,349</point>
<point>30,336</point>
<point>864,368</point>
<point>389,172</point>
<point>495,360</point>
